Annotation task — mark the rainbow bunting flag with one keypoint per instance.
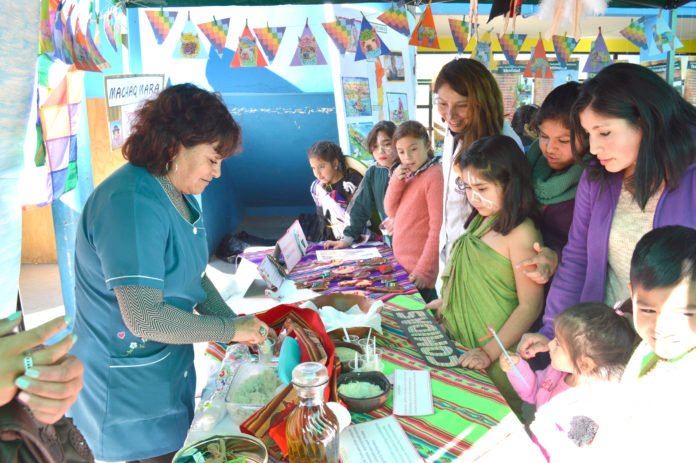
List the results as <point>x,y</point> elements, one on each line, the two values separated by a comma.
<point>57,34</point>
<point>563,46</point>
<point>482,51</point>
<point>247,54</point>
<point>511,45</point>
<point>460,33</point>
<point>59,123</point>
<point>189,45</point>
<point>308,52</point>
<point>83,59</point>
<point>161,22</point>
<point>538,65</point>
<point>94,53</point>
<point>216,32</point>
<point>661,38</point>
<point>269,39</point>
<point>340,32</point>
<point>45,28</point>
<point>599,55</point>
<point>395,17</point>
<point>109,30</point>
<point>370,45</point>
<point>424,35</point>
<point>635,33</point>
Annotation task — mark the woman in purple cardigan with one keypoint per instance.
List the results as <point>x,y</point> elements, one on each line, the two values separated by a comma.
<point>642,133</point>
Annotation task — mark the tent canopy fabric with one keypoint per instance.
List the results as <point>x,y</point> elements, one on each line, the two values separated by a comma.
<point>666,4</point>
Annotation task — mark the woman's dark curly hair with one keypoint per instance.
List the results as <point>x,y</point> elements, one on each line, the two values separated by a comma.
<point>181,115</point>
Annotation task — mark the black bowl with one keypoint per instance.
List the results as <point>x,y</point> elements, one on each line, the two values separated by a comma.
<point>371,403</point>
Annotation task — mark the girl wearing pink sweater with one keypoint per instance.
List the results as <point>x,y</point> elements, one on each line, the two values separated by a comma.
<point>414,201</point>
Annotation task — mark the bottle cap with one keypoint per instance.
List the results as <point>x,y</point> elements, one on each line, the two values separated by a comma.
<point>309,374</point>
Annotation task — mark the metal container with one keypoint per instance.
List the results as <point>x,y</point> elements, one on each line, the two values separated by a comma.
<point>242,445</point>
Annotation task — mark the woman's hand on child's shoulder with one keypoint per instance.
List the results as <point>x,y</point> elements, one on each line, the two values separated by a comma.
<point>531,344</point>
<point>540,267</point>
<point>339,244</point>
<point>505,364</point>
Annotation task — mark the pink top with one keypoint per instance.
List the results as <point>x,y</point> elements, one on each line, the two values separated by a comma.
<point>541,386</point>
<point>415,204</point>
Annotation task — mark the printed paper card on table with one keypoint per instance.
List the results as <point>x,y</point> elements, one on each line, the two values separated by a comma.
<point>413,395</point>
<point>563,46</point>
<point>635,33</point>
<point>599,55</point>
<point>424,35</point>
<point>216,32</point>
<point>377,441</point>
<point>370,46</point>
<point>292,245</point>
<point>247,54</point>
<point>460,33</point>
<point>308,52</point>
<point>269,39</point>
<point>511,45</point>
<point>161,22</point>
<point>395,17</point>
<point>538,65</point>
<point>356,94</point>
<point>660,38</point>
<point>189,45</point>
<point>341,32</point>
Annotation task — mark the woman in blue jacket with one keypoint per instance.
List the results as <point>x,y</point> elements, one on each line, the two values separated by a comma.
<point>140,259</point>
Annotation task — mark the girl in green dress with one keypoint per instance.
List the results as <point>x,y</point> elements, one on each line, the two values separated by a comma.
<point>481,286</point>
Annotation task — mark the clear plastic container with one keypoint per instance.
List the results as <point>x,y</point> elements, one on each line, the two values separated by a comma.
<point>254,384</point>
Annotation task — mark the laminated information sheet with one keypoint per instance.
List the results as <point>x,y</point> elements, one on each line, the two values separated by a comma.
<point>413,395</point>
<point>377,441</point>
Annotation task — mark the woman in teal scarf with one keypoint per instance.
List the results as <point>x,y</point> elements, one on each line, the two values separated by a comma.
<point>481,288</point>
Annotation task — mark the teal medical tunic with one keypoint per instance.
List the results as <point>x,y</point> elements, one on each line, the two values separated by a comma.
<point>138,395</point>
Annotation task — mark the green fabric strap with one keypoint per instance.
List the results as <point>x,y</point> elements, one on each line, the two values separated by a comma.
<point>550,186</point>
<point>479,290</point>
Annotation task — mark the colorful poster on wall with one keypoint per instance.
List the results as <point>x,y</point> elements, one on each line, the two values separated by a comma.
<point>189,45</point>
<point>308,52</point>
<point>248,54</point>
<point>356,92</point>
<point>216,32</point>
<point>269,39</point>
<point>124,94</point>
<point>398,107</point>
<point>394,65</point>
<point>357,134</point>
<point>370,46</point>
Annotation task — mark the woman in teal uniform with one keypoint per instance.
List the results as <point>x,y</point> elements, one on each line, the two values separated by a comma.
<point>140,259</point>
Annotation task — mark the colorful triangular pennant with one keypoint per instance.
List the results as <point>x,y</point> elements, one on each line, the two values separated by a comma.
<point>189,45</point>
<point>424,35</point>
<point>661,38</point>
<point>269,39</point>
<point>482,51</point>
<point>161,22</point>
<point>511,45</point>
<point>563,46</point>
<point>635,33</point>
<point>340,32</point>
<point>248,54</point>
<point>370,46</point>
<point>538,65</point>
<point>395,17</point>
<point>109,30</point>
<point>460,33</point>
<point>46,28</point>
<point>216,32</point>
<point>308,52</point>
<point>599,55</point>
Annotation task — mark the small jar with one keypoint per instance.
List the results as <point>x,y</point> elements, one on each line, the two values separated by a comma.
<point>312,428</point>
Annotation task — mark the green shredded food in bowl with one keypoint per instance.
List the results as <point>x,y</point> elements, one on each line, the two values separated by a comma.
<point>360,390</point>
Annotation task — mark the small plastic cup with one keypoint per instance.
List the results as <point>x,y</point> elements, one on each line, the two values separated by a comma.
<point>352,338</point>
<point>265,350</point>
<point>373,362</point>
<point>368,345</point>
<point>357,364</point>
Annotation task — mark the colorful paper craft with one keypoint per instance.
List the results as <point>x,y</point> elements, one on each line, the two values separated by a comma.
<point>269,39</point>
<point>161,22</point>
<point>424,35</point>
<point>635,33</point>
<point>109,30</point>
<point>395,17</point>
<point>308,52</point>
<point>563,46</point>
<point>482,51</point>
<point>340,32</point>
<point>370,46</point>
<point>460,33</point>
<point>538,65</point>
<point>511,45</point>
<point>189,45</point>
<point>661,38</point>
<point>356,91</point>
<point>599,55</point>
<point>247,54</point>
<point>216,32</point>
